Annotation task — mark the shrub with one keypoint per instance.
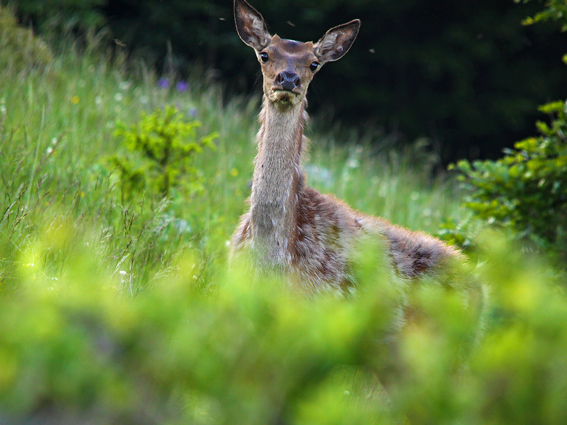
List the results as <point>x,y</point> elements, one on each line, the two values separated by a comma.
<point>20,49</point>
<point>76,347</point>
<point>458,233</point>
<point>162,148</point>
<point>526,190</point>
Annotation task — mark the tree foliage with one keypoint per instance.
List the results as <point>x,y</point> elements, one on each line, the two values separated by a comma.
<point>58,14</point>
<point>554,10</point>
<point>452,71</point>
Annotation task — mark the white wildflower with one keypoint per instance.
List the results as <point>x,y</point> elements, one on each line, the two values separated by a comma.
<point>125,85</point>
<point>353,163</point>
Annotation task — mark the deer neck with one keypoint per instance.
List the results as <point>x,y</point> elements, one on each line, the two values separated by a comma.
<point>277,180</point>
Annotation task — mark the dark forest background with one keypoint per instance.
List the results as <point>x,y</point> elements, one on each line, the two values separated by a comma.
<point>466,74</point>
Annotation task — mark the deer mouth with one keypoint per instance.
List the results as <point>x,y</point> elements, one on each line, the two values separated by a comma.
<point>286,96</point>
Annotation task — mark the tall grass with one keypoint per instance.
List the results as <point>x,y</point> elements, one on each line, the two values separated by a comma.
<point>57,130</point>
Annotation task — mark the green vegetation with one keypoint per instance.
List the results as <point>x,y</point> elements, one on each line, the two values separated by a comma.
<point>56,16</point>
<point>554,10</point>
<point>121,310</point>
<point>81,348</point>
<point>21,49</point>
<point>163,154</point>
<point>526,190</point>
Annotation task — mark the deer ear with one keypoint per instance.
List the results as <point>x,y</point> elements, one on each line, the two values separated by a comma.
<point>250,25</point>
<point>336,42</point>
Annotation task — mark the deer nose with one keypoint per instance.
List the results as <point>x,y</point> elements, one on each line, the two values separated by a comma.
<point>288,80</point>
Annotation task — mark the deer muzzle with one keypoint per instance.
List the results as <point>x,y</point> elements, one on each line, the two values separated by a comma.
<point>288,80</point>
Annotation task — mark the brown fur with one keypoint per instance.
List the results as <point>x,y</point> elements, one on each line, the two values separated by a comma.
<point>320,231</point>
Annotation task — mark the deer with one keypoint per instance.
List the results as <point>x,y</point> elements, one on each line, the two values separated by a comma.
<point>307,237</point>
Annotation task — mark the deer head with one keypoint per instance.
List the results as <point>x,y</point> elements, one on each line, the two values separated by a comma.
<point>288,66</point>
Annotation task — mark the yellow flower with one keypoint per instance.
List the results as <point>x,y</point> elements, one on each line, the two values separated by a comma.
<point>234,172</point>
<point>75,99</point>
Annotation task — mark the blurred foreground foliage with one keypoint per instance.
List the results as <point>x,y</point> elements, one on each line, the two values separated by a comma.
<point>77,347</point>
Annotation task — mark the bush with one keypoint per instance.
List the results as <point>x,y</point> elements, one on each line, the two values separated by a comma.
<point>526,190</point>
<point>77,347</point>
<point>20,49</point>
<point>162,148</point>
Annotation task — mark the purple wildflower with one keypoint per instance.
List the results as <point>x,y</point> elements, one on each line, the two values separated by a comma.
<point>193,112</point>
<point>163,83</point>
<point>182,86</point>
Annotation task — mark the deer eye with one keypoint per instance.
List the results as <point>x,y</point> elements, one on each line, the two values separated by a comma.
<point>313,67</point>
<point>264,57</point>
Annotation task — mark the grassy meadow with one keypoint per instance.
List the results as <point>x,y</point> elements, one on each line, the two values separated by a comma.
<point>58,133</point>
<point>121,310</point>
